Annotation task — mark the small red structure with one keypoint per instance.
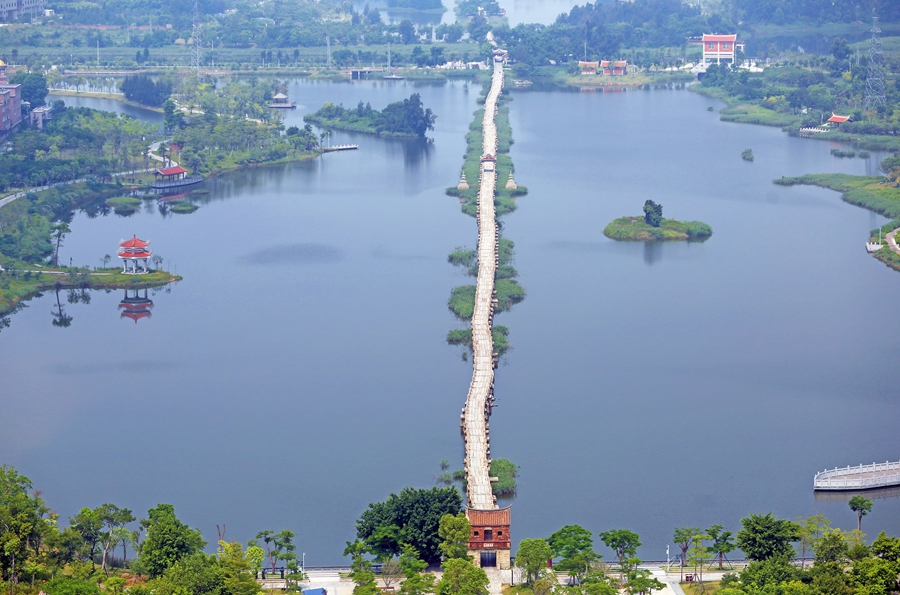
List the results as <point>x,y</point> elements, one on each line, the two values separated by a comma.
<point>620,68</point>
<point>588,67</point>
<point>135,306</point>
<point>134,251</point>
<point>605,68</point>
<point>836,119</point>
<point>170,174</point>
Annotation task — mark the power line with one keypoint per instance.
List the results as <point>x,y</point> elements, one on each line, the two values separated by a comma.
<point>875,95</point>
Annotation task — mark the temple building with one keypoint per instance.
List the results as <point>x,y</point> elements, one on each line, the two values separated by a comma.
<point>136,252</point>
<point>489,543</point>
<point>720,48</point>
<point>588,67</point>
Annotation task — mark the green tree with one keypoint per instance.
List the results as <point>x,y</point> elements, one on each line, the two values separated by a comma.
<point>114,520</point>
<point>811,531</point>
<point>461,577</point>
<point>722,542</point>
<point>417,582</point>
<point>532,557</point>
<point>623,542</point>
<point>407,31</point>
<point>861,506</point>
<point>89,525</point>
<point>168,540</point>
<point>60,230</point>
<point>886,547</point>
<point>255,556</point>
<point>764,536</point>
<point>418,512</point>
<point>34,87</point>
<point>193,574</point>
<point>361,568</point>
<point>840,49</point>
<point>642,581</point>
<point>172,117</point>
<point>20,521</point>
<point>831,547</point>
<point>237,570</point>
<point>574,545</point>
<point>454,531</point>
<point>684,537</point>
<point>652,213</point>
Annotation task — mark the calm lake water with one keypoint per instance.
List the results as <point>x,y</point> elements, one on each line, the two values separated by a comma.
<point>299,371</point>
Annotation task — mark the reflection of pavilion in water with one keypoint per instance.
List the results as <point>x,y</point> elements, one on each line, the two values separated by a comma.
<point>135,306</point>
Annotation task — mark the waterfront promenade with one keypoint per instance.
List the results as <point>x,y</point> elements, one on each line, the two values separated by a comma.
<point>475,426</point>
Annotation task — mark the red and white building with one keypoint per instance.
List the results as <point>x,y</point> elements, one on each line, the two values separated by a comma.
<point>10,103</point>
<point>134,251</point>
<point>720,48</point>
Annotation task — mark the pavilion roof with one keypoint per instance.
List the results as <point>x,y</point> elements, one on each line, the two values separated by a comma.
<point>171,171</point>
<point>620,63</point>
<point>717,37</point>
<point>838,119</point>
<point>280,96</point>
<point>134,242</point>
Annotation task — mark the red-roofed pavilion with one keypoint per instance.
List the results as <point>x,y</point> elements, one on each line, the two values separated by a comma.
<point>136,306</point>
<point>836,119</point>
<point>134,251</point>
<point>170,174</point>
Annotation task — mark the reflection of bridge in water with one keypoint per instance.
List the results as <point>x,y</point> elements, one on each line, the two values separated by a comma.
<point>135,306</point>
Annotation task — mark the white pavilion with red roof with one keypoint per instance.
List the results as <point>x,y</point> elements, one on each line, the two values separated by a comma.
<point>720,48</point>
<point>134,251</point>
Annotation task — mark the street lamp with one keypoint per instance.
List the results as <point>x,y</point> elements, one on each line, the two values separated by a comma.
<point>303,564</point>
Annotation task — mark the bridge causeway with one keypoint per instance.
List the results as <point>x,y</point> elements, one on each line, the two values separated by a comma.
<point>480,399</point>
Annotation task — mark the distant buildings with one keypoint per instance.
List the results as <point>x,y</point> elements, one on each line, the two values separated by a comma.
<point>11,10</point>
<point>10,102</point>
<point>720,48</point>
<point>605,67</point>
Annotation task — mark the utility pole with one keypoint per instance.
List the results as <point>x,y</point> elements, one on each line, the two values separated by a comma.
<point>328,50</point>
<point>98,50</point>
<point>875,75</point>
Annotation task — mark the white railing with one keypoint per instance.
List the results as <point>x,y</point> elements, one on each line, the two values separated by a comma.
<point>848,478</point>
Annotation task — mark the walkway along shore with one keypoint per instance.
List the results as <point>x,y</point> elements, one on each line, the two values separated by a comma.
<point>475,426</point>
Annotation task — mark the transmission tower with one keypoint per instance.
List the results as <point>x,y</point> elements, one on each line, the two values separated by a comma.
<point>197,48</point>
<point>875,75</point>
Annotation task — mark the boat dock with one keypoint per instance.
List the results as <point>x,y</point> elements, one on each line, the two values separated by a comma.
<point>860,477</point>
<point>480,399</point>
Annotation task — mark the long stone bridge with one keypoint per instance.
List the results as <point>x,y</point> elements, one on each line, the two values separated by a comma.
<point>481,391</point>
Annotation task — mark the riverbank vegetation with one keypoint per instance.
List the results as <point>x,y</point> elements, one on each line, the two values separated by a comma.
<point>878,194</point>
<point>88,554</point>
<point>803,91</point>
<point>407,118</point>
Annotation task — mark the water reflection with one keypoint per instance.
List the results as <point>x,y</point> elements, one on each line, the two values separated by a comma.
<point>61,318</point>
<point>652,252</point>
<point>135,306</point>
<point>876,494</point>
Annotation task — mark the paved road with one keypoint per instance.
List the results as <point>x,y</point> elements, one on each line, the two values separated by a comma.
<point>892,241</point>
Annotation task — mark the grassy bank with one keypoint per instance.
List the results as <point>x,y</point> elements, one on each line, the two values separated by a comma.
<point>636,229</point>
<point>352,127</point>
<point>869,192</point>
<point>19,284</point>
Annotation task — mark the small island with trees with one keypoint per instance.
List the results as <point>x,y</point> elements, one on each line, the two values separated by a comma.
<point>652,227</point>
<point>407,118</point>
